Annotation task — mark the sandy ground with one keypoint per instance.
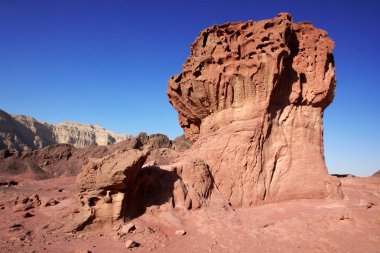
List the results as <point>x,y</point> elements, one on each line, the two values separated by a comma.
<point>348,225</point>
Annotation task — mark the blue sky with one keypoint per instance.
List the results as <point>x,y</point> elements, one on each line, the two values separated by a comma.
<point>108,61</point>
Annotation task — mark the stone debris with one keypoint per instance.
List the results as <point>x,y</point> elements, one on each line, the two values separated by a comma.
<point>51,202</point>
<point>128,228</point>
<point>180,232</point>
<point>130,244</point>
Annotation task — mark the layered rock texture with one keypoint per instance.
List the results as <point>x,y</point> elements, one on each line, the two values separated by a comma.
<point>252,95</point>
<point>18,132</point>
<point>121,186</point>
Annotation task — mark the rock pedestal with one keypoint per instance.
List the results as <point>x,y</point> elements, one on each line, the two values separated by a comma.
<point>252,95</point>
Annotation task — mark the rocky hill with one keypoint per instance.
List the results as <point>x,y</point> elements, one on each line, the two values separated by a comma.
<point>19,132</point>
<point>66,160</point>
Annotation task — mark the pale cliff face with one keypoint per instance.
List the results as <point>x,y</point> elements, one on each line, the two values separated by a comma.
<point>18,132</point>
<point>84,135</point>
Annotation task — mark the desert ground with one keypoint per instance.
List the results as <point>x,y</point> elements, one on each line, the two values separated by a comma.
<point>351,224</point>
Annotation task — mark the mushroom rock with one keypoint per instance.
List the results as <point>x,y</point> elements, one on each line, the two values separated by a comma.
<point>252,95</point>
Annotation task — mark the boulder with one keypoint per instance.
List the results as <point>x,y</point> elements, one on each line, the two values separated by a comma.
<point>103,184</point>
<point>118,188</point>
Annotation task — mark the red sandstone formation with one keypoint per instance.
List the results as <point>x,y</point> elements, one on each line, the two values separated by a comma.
<point>252,95</point>
<point>118,187</point>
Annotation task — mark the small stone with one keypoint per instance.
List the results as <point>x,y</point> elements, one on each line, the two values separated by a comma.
<point>108,197</point>
<point>28,215</point>
<point>16,225</point>
<point>128,228</point>
<point>82,251</point>
<point>345,217</point>
<point>131,244</point>
<point>51,202</point>
<point>180,232</point>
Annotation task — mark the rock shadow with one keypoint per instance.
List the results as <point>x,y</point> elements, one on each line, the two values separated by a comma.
<point>152,186</point>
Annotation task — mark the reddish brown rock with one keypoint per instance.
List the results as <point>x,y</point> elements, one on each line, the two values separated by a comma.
<point>118,187</point>
<point>252,95</point>
<point>103,185</point>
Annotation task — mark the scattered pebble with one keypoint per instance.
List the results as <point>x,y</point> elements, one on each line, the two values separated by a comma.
<point>131,244</point>
<point>268,224</point>
<point>180,232</point>
<point>345,217</point>
<point>51,202</point>
<point>128,228</point>
<point>82,251</point>
<point>16,225</point>
<point>28,215</point>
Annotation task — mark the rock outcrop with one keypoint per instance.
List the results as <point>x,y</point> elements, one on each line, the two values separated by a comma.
<point>118,187</point>
<point>252,95</point>
<point>66,160</point>
<point>103,184</point>
<point>18,133</point>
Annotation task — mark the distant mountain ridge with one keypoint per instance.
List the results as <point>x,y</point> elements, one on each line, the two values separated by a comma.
<point>19,132</point>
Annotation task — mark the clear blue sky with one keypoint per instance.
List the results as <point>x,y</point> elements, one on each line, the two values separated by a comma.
<point>108,61</point>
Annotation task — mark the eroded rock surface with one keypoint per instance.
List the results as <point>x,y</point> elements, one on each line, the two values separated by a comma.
<point>104,182</point>
<point>118,188</point>
<point>252,96</point>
